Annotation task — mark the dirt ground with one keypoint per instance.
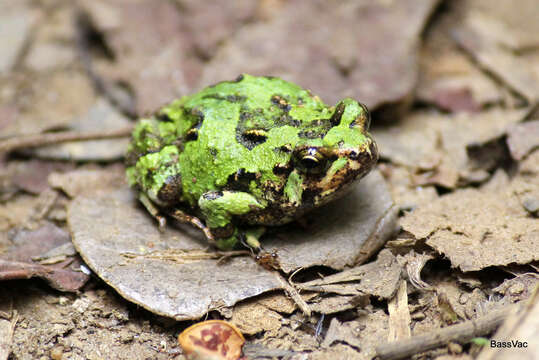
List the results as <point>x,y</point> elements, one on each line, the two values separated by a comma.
<point>441,241</point>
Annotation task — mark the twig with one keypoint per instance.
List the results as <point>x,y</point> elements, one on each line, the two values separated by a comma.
<point>294,294</point>
<point>6,335</point>
<point>399,314</point>
<point>29,141</point>
<point>181,256</point>
<point>521,326</point>
<point>459,333</point>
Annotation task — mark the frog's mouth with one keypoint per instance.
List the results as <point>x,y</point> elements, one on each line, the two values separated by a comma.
<point>351,165</point>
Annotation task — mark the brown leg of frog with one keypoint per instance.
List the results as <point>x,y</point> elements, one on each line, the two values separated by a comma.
<point>153,210</point>
<point>193,220</point>
<point>176,214</point>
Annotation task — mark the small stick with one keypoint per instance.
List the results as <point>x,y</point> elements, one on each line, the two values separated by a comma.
<point>304,307</point>
<point>29,141</point>
<point>6,337</point>
<point>399,315</point>
<point>458,333</point>
<point>319,326</point>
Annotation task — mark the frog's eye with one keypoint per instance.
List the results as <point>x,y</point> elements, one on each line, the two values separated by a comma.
<point>310,160</point>
<point>363,121</point>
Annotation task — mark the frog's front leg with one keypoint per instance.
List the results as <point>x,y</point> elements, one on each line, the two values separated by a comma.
<point>193,220</point>
<point>176,214</point>
<point>152,210</point>
<point>219,209</point>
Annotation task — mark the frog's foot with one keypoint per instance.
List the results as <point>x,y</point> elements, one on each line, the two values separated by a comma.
<point>219,209</point>
<point>252,238</point>
<point>193,220</point>
<point>152,210</point>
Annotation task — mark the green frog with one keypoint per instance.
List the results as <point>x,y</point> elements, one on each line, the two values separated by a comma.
<point>245,154</point>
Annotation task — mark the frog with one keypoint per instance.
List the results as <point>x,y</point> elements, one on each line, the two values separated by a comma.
<point>243,155</point>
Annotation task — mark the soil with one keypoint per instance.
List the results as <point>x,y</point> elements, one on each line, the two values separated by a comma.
<point>443,232</point>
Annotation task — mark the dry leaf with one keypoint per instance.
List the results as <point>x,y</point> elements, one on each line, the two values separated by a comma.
<point>122,244</point>
<point>476,229</point>
<point>372,60</point>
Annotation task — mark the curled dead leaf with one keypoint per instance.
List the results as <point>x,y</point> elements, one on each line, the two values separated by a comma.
<point>212,340</point>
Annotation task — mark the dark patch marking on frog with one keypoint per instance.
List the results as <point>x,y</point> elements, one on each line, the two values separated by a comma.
<point>192,133</point>
<point>171,190</point>
<point>224,231</point>
<point>311,134</point>
<point>213,152</point>
<point>212,195</point>
<point>252,138</point>
<point>286,119</point>
<point>238,79</point>
<point>286,148</point>
<point>249,137</point>
<point>240,180</point>
<point>281,102</point>
<point>272,215</point>
<point>197,113</point>
<point>162,116</point>
<point>315,129</point>
<point>283,169</point>
<point>335,119</point>
<point>132,157</point>
<point>363,122</point>
<point>229,98</point>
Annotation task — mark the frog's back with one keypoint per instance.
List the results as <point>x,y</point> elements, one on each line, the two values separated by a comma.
<point>241,127</point>
<point>231,135</point>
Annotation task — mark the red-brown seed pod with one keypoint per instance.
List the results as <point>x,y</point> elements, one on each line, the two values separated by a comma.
<point>212,340</point>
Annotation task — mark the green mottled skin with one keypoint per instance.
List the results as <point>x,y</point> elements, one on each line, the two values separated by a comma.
<point>252,126</point>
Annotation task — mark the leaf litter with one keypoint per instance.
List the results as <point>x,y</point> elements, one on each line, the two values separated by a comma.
<point>477,228</point>
<point>63,273</point>
<point>480,144</point>
<point>123,245</point>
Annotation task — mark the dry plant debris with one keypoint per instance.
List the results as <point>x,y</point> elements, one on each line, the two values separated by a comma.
<point>453,89</point>
<point>102,116</point>
<point>436,146</point>
<point>477,228</point>
<point>102,227</point>
<point>59,268</point>
<point>123,245</point>
<point>336,59</point>
<point>379,278</point>
<point>523,138</point>
<point>83,181</point>
<point>521,324</point>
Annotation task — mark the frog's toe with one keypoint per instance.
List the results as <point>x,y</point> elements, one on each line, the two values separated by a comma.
<point>252,237</point>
